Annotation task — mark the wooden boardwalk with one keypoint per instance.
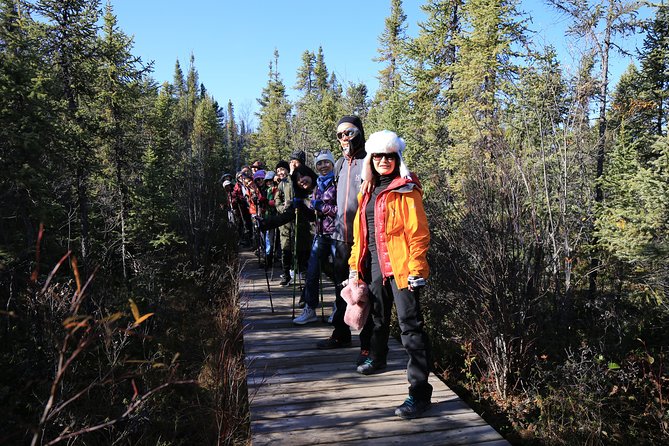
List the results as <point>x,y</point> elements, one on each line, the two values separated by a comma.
<point>300,395</point>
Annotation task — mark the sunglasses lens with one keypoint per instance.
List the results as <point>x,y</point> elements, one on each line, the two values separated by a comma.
<point>350,133</point>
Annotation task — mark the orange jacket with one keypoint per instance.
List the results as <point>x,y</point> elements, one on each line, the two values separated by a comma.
<point>407,235</point>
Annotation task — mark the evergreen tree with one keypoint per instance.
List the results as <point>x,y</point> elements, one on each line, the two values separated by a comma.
<point>356,101</point>
<point>432,54</point>
<point>273,137</point>
<point>321,73</point>
<point>117,97</point>
<point>655,68</point>
<point>600,22</point>
<point>70,30</point>
<point>178,81</point>
<point>153,217</point>
<point>305,74</point>
<point>318,109</point>
<point>390,109</point>
<point>489,29</point>
<point>232,137</point>
<point>28,184</point>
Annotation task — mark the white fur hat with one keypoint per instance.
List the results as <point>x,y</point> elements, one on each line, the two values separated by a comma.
<point>384,141</point>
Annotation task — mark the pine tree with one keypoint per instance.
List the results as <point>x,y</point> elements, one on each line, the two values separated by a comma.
<point>655,68</point>
<point>178,81</point>
<point>70,30</point>
<point>305,74</point>
<point>390,109</point>
<point>117,96</point>
<point>432,54</point>
<point>232,137</point>
<point>273,137</point>
<point>318,109</point>
<point>321,73</point>
<point>356,100</point>
<point>153,217</point>
<point>489,29</point>
<point>29,165</point>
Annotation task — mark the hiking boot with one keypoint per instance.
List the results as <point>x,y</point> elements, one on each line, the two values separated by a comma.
<point>308,315</point>
<point>369,367</point>
<point>331,342</point>
<point>412,408</point>
<point>362,357</point>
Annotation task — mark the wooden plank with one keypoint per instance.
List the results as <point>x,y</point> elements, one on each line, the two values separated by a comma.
<point>301,395</point>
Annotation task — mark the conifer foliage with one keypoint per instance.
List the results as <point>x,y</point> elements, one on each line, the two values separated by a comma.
<point>112,238</point>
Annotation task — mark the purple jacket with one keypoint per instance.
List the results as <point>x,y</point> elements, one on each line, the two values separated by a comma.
<point>325,224</point>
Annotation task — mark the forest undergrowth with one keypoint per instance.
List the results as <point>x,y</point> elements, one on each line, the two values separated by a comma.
<point>87,360</point>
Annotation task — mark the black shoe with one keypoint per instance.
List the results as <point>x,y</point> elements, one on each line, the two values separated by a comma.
<point>331,342</point>
<point>362,357</point>
<point>301,303</point>
<point>369,367</point>
<point>412,408</point>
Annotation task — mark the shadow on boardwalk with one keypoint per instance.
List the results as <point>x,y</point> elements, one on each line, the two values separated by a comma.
<point>300,395</point>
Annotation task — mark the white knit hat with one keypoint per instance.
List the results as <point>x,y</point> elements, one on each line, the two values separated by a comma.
<point>384,141</point>
<point>324,154</point>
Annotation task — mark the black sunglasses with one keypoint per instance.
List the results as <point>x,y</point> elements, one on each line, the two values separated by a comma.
<point>388,156</point>
<point>350,132</point>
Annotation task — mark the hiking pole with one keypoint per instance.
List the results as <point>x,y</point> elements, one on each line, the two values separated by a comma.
<point>295,262</point>
<point>269,289</point>
<point>319,234</point>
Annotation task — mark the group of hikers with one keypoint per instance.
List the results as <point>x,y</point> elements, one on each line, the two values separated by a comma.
<point>368,219</point>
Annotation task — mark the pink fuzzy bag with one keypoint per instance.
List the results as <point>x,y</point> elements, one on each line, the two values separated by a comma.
<point>357,304</point>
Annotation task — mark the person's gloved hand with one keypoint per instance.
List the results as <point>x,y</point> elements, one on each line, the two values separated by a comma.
<point>295,202</point>
<point>317,204</point>
<point>260,222</point>
<point>352,275</point>
<point>416,282</point>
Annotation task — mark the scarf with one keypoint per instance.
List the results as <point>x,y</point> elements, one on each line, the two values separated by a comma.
<point>323,181</point>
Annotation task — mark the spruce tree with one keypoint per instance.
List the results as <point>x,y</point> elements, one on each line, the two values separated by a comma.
<point>70,30</point>
<point>274,136</point>
<point>29,164</point>
<point>390,109</point>
<point>655,68</point>
<point>117,97</point>
<point>432,54</point>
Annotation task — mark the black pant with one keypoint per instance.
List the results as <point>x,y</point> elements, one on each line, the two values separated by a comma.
<point>414,339</point>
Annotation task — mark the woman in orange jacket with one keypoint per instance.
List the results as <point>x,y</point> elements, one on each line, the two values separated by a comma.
<point>391,239</point>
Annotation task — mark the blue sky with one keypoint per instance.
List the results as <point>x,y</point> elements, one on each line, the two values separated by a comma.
<point>234,41</point>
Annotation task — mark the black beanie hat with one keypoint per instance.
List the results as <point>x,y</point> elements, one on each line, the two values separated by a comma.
<point>359,140</point>
<point>283,164</point>
<point>299,155</point>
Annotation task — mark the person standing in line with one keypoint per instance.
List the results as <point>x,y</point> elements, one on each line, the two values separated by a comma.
<point>324,204</point>
<point>240,204</point>
<point>348,168</point>
<point>391,239</point>
<point>270,210</point>
<point>304,181</point>
<point>283,201</point>
<point>297,158</point>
